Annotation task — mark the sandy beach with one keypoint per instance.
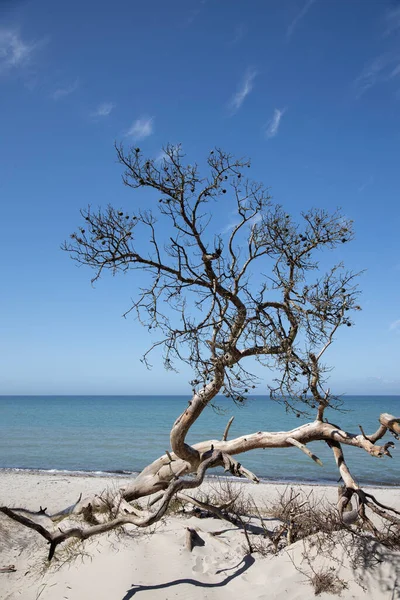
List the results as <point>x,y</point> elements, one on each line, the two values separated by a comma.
<point>156,564</point>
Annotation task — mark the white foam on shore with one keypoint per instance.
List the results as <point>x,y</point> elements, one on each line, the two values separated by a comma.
<point>124,474</point>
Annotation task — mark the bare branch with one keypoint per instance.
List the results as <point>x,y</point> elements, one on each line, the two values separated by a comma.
<point>227,428</point>
<point>304,449</point>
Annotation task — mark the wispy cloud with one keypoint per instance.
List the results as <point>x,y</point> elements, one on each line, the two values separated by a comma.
<point>395,326</point>
<point>239,33</point>
<point>61,92</point>
<point>229,227</point>
<point>173,149</point>
<point>381,381</point>
<point>103,110</point>
<point>141,128</point>
<point>14,51</point>
<point>381,69</point>
<point>161,156</point>
<point>300,15</point>
<point>392,19</point>
<point>370,75</point>
<point>384,68</point>
<point>244,90</point>
<point>194,12</point>
<point>232,224</point>
<point>366,184</point>
<point>273,124</point>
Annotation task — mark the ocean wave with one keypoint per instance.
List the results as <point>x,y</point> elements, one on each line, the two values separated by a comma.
<point>69,472</point>
<point>120,473</point>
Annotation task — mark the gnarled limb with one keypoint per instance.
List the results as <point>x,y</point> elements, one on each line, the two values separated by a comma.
<point>218,511</point>
<point>55,537</point>
<point>352,489</point>
<point>156,475</point>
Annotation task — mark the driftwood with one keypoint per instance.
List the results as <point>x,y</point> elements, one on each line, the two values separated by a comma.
<point>193,539</point>
<point>9,569</point>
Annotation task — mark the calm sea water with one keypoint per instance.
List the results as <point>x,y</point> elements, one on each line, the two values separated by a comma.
<point>100,434</point>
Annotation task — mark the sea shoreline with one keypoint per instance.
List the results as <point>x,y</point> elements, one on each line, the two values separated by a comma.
<point>12,481</point>
<point>121,474</point>
<point>125,434</point>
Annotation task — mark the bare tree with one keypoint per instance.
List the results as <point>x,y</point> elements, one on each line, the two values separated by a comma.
<point>220,302</point>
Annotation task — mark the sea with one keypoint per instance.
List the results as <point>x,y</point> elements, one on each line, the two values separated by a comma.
<point>120,435</point>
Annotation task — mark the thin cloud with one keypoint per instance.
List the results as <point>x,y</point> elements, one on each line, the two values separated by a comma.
<point>65,91</point>
<point>381,380</point>
<point>14,51</point>
<point>300,15</point>
<point>395,72</point>
<point>174,149</point>
<point>194,13</point>
<point>392,19</point>
<point>161,156</point>
<point>273,124</point>
<point>370,75</point>
<point>232,224</point>
<point>382,69</point>
<point>192,16</point>
<point>244,90</point>
<point>141,128</point>
<point>395,326</point>
<point>366,184</point>
<point>229,227</point>
<point>239,33</point>
<point>103,110</point>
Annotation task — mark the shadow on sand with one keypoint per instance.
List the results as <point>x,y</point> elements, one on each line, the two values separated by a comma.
<point>246,563</point>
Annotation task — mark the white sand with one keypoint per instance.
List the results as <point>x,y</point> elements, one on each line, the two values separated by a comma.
<point>156,565</point>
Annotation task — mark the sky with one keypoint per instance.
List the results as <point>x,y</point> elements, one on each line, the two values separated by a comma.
<point>308,89</point>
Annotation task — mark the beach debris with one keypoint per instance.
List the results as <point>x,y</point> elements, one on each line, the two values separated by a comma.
<point>8,569</point>
<point>193,539</point>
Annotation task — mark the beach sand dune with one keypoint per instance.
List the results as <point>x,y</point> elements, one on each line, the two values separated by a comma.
<point>156,564</point>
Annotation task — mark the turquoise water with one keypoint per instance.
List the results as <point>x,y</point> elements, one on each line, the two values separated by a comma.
<point>124,433</point>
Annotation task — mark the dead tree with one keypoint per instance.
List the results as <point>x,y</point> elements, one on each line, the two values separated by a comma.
<point>220,302</point>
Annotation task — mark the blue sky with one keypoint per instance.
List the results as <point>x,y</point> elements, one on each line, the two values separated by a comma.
<point>308,89</point>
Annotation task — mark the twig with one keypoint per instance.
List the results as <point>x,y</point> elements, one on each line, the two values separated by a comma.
<point>228,425</point>
<point>363,432</point>
<point>304,449</point>
<point>208,507</point>
<point>8,569</point>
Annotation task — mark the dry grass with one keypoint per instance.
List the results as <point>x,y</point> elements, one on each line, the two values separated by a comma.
<point>302,515</point>
<point>228,496</point>
<point>327,580</point>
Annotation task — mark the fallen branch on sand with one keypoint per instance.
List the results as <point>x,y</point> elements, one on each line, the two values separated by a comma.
<point>8,569</point>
